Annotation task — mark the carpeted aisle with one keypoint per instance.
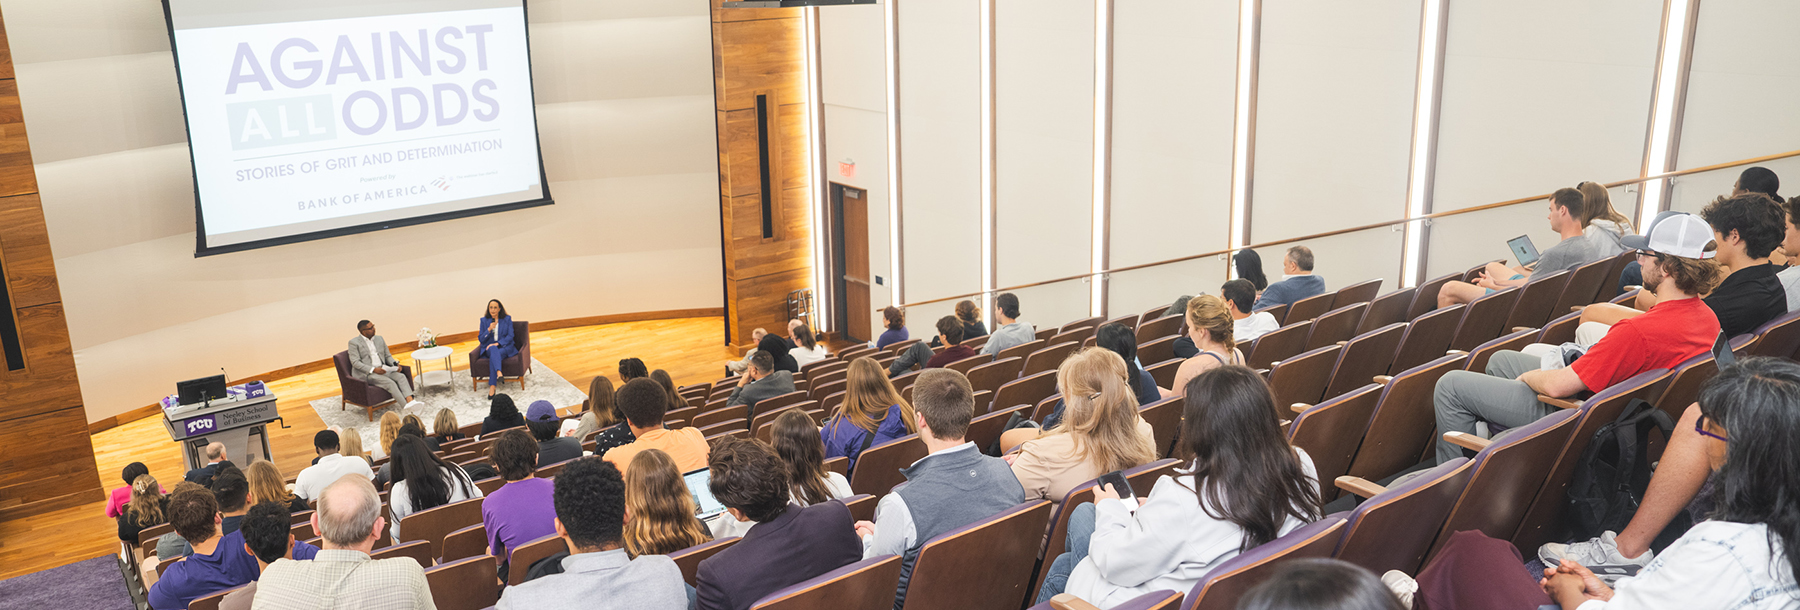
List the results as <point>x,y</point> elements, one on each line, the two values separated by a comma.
<point>94,584</point>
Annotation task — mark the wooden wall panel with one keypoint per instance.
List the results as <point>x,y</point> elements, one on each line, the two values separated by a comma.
<point>30,270</point>
<point>46,461</point>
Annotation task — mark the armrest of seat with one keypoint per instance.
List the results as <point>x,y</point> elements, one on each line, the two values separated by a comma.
<point>1383,379</point>
<point>1342,343</point>
<point>1066,601</point>
<point>1520,329</point>
<point>1558,402</point>
<point>1359,486</point>
<point>1455,352</point>
<point>1300,407</point>
<point>1467,441</point>
<point>1264,372</point>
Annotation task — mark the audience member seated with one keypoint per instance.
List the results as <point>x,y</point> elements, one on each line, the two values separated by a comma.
<point>1577,248</point>
<point>1751,180</point>
<point>1240,297</point>
<point>894,320</point>
<point>1678,327</point>
<point>352,446</point>
<point>807,348</point>
<point>1605,225</point>
<point>342,576</point>
<point>661,513</point>
<point>1298,281</point>
<point>1210,327</point>
<point>872,413</point>
<point>597,412</point>
<point>520,511</point>
<point>232,491</point>
<point>1746,228</point>
<point>797,443</point>
<point>371,363</point>
<point>444,427</point>
<point>738,366</point>
<point>385,474</point>
<point>119,497</point>
<point>599,573</point>
<point>643,404</point>
<point>541,420</point>
<point>1321,584</point>
<point>1009,331</point>
<point>411,421</point>
<point>969,315</point>
<point>788,544</point>
<point>384,440</point>
<point>171,546</point>
<point>148,507</point>
<point>330,467</point>
<point>267,484</point>
<point>1790,248</point>
<point>632,368</point>
<point>762,381</point>
<point>952,486</point>
<point>1245,487</point>
<point>1743,557</point>
<point>670,393</point>
<point>1119,340</point>
<point>423,480</point>
<point>215,459</point>
<point>1100,430</point>
<point>1248,265</point>
<point>497,344</point>
<point>268,536</point>
<point>918,354</point>
<point>219,561</point>
<point>502,414</point>
<point>778,348</point>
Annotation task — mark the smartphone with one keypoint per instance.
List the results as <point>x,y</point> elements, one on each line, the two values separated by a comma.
<point>1117,480</point>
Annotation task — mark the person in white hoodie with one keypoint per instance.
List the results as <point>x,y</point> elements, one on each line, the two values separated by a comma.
<point>1246,487</point>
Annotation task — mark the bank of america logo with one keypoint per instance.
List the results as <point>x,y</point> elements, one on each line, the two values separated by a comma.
<point>442,183</point>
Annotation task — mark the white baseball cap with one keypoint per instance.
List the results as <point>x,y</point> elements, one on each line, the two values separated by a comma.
<point>1675,234</point>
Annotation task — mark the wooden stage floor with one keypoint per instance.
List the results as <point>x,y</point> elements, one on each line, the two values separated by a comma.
<point>690,349</point>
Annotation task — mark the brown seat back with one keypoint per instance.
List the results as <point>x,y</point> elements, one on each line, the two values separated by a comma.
<point>1283,343</point>
<point>1164,372</point>
<point>986,564</point>
<point>1076,335</point>
<point>1127,321</point>
<point>1547,519</point>
<point>994,374</point>
<point>432,524</point>
<point>864,585</point>
<point>1157,350</point>
<point>529,553</point>
<point>970,363</point>
<point>1164,417</point>
<point>1302,378</point>
<point>1609,283</point>
<point>1220,588</point>
<point>417,550</point>
<point>878,468</point>
<point>1360,292</point>
<point>1022,391</point>
<point>1583,286</point>
<point>1157,328</point>
<point>1386,309</point>
<point>466,542</point>
<point>1478,357</point>
<point>1426,339</point>
<point>766,417</point>
<point>1365,356</point>
<point>1401,427</point>
<point>820,391</point>
<point>985,430</point>
<point>1780,338</point>
<point>779,401</point>
<point>1336,325</point>
<point>465,584</point>
<point>721,414</point>
<point>1049,358</point>
<point>211,601</point>
<point>1484,319</point>
<point>1507,476</point>
<point>840,465</point>
<point>1020,350</point>
<point>688,559</point>
<point>1425,298</point>
<point>1330,432</point>
<point>1560,330</point>
<point>861,506</point>
<point>1537,300</point>
<point>1044,407</point>
<point>1309,308</point>
<point>1394,529</point>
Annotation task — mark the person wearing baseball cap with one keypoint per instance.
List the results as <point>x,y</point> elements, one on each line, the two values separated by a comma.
<point>1676,256</point>
<point>1745,229</point>
<point>544,424</point>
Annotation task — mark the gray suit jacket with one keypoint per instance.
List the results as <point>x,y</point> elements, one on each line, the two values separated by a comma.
<point>604,581</point>
<point>361,360</point>
<point>776,384</point>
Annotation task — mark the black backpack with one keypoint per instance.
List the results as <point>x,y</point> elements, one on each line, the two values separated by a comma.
<point>1614,471</point>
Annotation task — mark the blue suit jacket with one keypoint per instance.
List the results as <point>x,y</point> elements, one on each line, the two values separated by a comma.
<point>506,339</point>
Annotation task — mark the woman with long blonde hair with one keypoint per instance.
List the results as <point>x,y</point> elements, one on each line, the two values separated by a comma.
<point>390,428</point>
<point>444,428</point>
<point>659,510</point>
<point>598,411</point>
<point>873,413</point>
<point>1210,325</point>
<point>1100,431</point>
<point>267,485</point>
<point>147,508</point>
<point>350,443</point>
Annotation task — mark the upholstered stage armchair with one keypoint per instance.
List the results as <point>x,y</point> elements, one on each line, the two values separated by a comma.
<point>513,368</point>
<point>359,392</point>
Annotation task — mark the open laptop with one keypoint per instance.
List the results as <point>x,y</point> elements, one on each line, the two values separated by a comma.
<point>1523,250</point>
<point>698,484</point>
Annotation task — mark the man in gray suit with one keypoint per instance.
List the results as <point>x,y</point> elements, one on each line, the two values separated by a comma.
<point>371,362</point>
<point>598,574</point>
<point>761,382</point>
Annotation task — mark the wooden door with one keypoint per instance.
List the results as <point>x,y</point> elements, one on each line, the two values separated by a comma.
<point>853,213</point>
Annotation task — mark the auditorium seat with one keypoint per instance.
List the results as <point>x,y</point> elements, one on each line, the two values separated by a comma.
<point>1154,600</point>
<point>1072,335</point>
<point>1305,310</point>
<point>466,542</point>
<point>1093,322</point>
<point>861,506</point>
<point>986,564</point>
<point>1280,313</point>
<point>1505,479</point>
<point>1515,341</point>
<point>985,430</point>
<point>417,550</point>
<point>1359,292</point>
<point>819,392</point>
<point>840,465</point>
<point>1780,337</point>
<point>1127,321</point>
<point>1484,318</point>
<point>1151,330</point>
<point>899,346</point>
<point>865,585</point>
<point>968,364</point>
<point>994,374</point>
<point>1560,330</point>
<point>1537,300</point>
<point>1427,337</point>
<point>432,524</point>
<point>721,414</point>
<point>1609,284</point>
<point>1302,378</point>
<point>877,470</point>
<point>1331,431</point>
<point>1387,309</point>
<point>1365,356</point>
<point>465,584</point>
<point>1022,391</point>
<point>1425,298</point>
<point>362,393</point>
<point>765,417</point>
<point>1021,350</point>
<point>1584,283</point>
<point>1049,358</point>
<point>514,368</point>
<point>1396,525</point>
<point>688,559</point>
<point>1164,417</point>
<point>1336,325</point>
<point>211,600</point>
<point>520,560</point>
<point>1401,426</point>
<point>1157,350</point>
<point>1281,344</point>
<point>1547,519</point>
<point>1164,372</point>
<point>1221,587</point>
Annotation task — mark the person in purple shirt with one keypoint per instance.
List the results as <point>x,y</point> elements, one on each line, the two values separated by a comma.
<point>219,562</point>
<point>872,413</point>
<point>522,510</point>
<point>895,320</point>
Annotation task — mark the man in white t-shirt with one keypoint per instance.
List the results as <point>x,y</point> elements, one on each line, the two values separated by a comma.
<point>331,467</point>
<point>1239,295</point>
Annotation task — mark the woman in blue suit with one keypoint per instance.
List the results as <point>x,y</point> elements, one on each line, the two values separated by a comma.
<point>497,342</point>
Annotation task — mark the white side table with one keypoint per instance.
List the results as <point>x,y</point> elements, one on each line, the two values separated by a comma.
<point>433,353</point>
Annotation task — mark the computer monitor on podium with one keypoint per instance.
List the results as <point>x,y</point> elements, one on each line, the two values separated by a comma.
<point>204,389</point>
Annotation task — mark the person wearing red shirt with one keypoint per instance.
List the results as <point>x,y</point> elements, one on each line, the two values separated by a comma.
<point>1676,259</point>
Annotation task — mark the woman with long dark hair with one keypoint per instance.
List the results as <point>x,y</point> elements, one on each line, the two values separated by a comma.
<point>423,480</point>
<point>1244,486</point>
<point>778,348</point>
<point>1249,266</point>
<point>497,342</point>
<point>797,442</point>
<point>502,414</point>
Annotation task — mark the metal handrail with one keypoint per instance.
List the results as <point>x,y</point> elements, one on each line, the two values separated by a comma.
<point>1376,225</point>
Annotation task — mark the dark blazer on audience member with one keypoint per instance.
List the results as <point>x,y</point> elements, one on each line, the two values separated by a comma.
<point>204,474</point>
<point>801,543</point>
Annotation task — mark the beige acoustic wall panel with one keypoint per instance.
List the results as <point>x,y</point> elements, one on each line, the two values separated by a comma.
<point>853,75</point>
<point>1740,98</point>
<point>940,150</point>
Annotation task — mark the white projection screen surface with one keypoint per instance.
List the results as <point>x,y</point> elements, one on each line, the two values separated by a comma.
<point>310,119</point>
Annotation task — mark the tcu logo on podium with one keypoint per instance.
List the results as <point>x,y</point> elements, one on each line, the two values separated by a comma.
<point>199,425</point>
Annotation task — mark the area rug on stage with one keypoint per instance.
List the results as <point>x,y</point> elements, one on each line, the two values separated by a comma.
<point>95,583</point>
<point>470,406</point>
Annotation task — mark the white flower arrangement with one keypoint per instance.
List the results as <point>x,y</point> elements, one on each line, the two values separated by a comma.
<point>427,338</point>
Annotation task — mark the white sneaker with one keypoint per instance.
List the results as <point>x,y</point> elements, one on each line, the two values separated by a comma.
<point>1600,554</point>
<point>1403,586</point>
<point>414,403</point>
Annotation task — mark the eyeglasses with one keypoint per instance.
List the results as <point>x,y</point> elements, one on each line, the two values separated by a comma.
<point>1700,426</point>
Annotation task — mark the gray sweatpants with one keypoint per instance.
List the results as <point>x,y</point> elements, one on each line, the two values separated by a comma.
<point>397,385</point>
<point>1465,397</point>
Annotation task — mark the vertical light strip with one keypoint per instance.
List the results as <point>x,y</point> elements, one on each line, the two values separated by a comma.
<point>1240,142</point>
<point>987,154</point>
<point>1102,153</point>
<point>815,132</point>
<point>1669,64</point>
<point>890,22</point>
<point>1425,109</point>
